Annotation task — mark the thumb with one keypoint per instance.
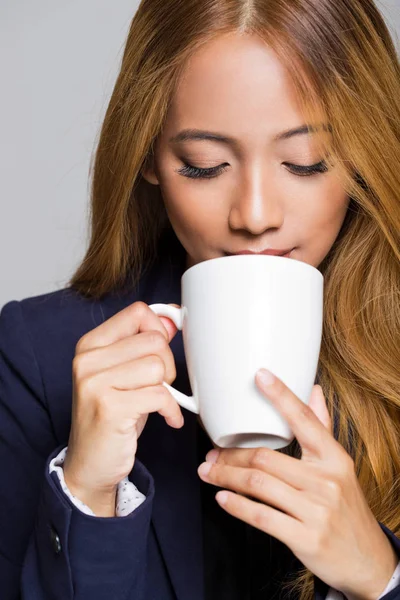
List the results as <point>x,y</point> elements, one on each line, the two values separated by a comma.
<point>317,403</point>
<point>170,325</point>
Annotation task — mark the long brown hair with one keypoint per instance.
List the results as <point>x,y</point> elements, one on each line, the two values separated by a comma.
<point>342,60</point>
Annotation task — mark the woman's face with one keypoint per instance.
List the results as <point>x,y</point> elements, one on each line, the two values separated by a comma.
<point>236,87</point>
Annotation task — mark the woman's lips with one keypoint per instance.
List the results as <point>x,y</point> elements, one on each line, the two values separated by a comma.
<point>282,253</point>
<point>287,255</point>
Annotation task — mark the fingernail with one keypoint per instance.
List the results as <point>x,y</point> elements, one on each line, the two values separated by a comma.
<point>265,376</point>
<point>212,456</point>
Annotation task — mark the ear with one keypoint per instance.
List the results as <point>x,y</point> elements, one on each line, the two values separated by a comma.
<point>148,170</point>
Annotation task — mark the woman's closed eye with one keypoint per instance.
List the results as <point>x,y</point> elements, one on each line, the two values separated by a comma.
<point>300,170</point>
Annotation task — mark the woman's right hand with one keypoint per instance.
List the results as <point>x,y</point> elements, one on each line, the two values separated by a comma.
<point>118,370</point>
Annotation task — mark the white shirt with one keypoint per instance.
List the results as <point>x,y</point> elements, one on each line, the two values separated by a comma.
<point>129,498</point>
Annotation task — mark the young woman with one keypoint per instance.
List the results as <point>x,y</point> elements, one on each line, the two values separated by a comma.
<point>234,125</point>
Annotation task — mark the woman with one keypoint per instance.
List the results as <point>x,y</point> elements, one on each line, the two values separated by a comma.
<point>104,498</point>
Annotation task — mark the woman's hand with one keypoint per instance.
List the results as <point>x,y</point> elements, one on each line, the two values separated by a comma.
<point>118,373</point>
<point>322,516</point>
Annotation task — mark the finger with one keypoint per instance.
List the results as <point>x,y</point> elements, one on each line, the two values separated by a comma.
<point>169,324</point>
<point>259,485</point>
<point>134,374</point>
<point>127,349</point>
<point>317,403</point>
<point>294,472</point>
<point>265,518</point>
<point>135,403</point>
<point>311,434</point>
<point>133,319</point>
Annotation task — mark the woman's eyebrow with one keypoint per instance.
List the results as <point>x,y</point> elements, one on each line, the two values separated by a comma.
<point>201,135</point>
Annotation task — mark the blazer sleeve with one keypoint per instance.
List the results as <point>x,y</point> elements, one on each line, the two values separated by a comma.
<point>48,547</point>
<point>128,496</point>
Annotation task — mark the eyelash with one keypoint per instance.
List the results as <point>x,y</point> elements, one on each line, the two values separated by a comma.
<point>198,173</point>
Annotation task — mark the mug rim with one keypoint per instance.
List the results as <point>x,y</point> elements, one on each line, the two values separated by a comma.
<point>240,257</point>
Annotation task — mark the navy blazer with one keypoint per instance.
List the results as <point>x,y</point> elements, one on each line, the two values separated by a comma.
<point>49,550</point>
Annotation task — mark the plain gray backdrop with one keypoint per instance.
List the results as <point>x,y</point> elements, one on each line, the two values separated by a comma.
<point>58,64</point>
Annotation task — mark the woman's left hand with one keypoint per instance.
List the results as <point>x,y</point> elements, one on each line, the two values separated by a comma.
<point>322,516</point>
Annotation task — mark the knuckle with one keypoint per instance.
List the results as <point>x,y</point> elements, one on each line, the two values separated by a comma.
<point>139,308</point>
<point>81,345</point>
<point>158,340</point>
<point>161,391</point>
<point>88,386</point>
<point>261,518</point>
<point>333,489</point>
<point>345,469</point>
<point>163,394</point>
<point>255,480</point>
<point>78,367</point>
<point>171,372</point>
<point>157,368</point>
<point>260,457</point>
<point>305,411</point>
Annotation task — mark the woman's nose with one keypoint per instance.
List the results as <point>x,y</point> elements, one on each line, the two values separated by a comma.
<point>257,206</point>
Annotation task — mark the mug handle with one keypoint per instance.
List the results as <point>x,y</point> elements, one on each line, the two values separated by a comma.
<point>176,315</point>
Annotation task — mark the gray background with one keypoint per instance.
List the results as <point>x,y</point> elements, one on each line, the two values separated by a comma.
<point>58,64</point>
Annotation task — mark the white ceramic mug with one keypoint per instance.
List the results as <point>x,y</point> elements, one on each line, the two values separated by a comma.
<point>238,314</point>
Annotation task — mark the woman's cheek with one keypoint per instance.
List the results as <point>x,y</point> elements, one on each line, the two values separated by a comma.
<point>193,210</point>
<point>326,226</point>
